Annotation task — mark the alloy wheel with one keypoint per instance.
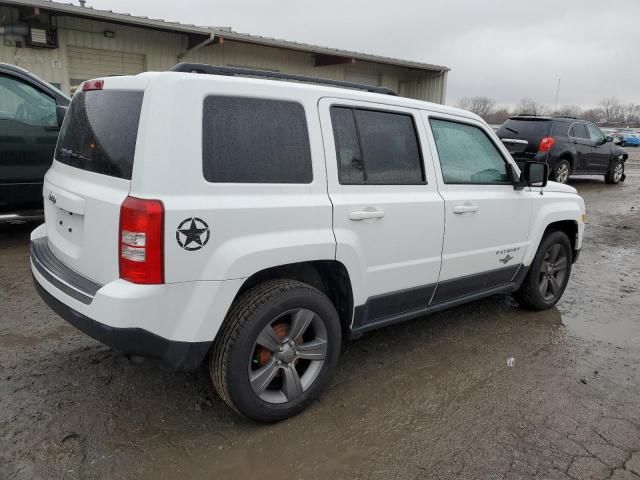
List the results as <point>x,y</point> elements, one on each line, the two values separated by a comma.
<point>562,175</point>
<point>617,172</point>
<point>553,272</point>
<point>288,356</point>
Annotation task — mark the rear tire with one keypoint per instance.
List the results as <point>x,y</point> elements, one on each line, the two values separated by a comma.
<point>561,172</point>
<point>257,369</point>
<point>614,175</point>
<point>548,274</point>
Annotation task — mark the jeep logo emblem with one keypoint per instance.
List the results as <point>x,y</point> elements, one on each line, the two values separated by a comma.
<point>506,259</point>
<point>52,198</point>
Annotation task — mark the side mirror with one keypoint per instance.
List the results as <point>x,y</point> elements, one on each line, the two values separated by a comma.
<point>535,174</point>
<point>617,141</point>
<point>61,111</point>
<point>608,138</point>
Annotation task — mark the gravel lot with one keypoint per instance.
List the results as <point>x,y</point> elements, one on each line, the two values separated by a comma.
<point>432,398</point>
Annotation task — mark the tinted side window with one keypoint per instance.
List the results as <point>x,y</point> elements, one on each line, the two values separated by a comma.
<point>376,147</point>
<point>467,155</point>
<point>350,169</point>
<point>595,133</point>
<point>578,131</point>
<point>251,140</point>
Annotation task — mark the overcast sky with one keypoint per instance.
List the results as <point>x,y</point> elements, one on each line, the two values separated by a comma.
<point>499,48</point>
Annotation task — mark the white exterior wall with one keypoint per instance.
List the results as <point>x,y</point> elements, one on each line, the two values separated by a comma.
<point>163,48</point>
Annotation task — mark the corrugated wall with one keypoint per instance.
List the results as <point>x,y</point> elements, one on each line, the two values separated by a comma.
<point>431,88</point>
<point>162,50</point>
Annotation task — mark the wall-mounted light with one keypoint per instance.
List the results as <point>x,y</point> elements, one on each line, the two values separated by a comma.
<point>109,34</point>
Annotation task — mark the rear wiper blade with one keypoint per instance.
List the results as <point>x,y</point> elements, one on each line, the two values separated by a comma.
<point>66,152</point>
<point>511,130</point>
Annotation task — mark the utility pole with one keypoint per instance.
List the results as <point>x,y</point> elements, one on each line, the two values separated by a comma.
<point>557,93</point>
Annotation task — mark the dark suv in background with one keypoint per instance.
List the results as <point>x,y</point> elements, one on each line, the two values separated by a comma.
<point>31,112</point>
<point>569,145</point>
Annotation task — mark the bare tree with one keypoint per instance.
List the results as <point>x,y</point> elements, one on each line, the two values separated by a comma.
<point>631,113</point>
<point>594,115</point>
<point>569,111</point>
<point>612,110</point>
<point>529,106</point>
<point>498,116</point>
<point>482,106</point>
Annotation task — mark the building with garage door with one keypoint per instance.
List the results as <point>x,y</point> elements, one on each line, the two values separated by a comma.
<point>66,44</point>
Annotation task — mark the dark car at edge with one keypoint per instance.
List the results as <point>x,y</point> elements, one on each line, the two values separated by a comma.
<point>569,146</point>
<point>31,112</point>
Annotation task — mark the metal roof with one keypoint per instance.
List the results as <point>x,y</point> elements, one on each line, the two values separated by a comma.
<point>224,32</point>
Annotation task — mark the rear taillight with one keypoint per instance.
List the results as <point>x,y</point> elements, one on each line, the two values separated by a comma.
<point>546,144</point>
<point>92,85</point>
<point>141,241</point>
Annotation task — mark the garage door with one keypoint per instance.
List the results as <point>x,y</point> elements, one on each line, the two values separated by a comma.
<point>87,63</point>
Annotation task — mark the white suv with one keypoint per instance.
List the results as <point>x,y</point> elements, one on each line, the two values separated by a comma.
<point>261,221</point>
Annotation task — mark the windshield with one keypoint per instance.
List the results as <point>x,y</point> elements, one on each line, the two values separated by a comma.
<point>99,132</point>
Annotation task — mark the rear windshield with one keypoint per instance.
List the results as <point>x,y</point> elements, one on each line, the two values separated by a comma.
<point>99,132</point>
<point>524,129</point>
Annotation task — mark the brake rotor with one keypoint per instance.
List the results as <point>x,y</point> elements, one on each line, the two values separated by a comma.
<point>262,354</point>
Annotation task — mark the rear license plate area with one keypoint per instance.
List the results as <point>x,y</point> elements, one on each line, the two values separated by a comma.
<point>69,225</point>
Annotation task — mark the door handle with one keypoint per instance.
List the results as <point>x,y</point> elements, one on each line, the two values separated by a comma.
<point>466,208</point>
<point>368,212</point>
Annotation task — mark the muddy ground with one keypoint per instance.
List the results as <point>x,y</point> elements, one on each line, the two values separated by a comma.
<point>433,398</point>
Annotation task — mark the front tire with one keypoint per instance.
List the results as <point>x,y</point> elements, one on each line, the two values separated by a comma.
<point>616,173</point>
<point>548,274</point>
<point>561,172</point>
<point>276,350</point>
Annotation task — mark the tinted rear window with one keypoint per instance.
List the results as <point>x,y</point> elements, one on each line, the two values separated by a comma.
<point>524,129</point>
<point>99,132</point>
<point>579,131</point>
<point>252,140</point>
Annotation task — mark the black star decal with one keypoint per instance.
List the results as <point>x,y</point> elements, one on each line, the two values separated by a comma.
<point>193,234</point>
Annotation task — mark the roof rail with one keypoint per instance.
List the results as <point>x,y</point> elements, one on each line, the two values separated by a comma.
<point>249,72</point>
<point>566,116</point>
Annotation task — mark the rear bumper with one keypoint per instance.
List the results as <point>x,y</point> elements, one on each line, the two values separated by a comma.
<point>22,215</point>
<point>174,355</point>
<point>173,322</point>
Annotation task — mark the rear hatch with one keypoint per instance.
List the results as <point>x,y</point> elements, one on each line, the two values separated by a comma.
<point>89,180</point>
<point>522,135</point>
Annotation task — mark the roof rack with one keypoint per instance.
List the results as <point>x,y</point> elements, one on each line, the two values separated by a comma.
<point>566,116</point>
<point>249,72</point>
